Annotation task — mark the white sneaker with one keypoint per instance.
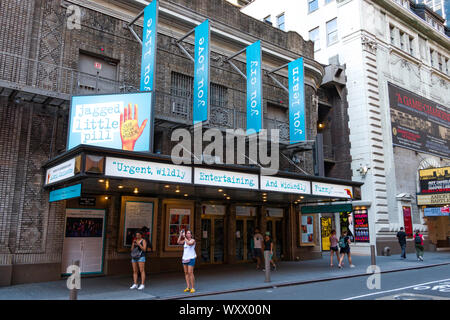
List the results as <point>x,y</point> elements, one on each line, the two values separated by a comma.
<point>141,287</point>
<point>352,266</point>
<point>134,286</point>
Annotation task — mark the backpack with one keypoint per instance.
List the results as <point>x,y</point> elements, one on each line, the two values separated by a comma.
<point>417,239</point>
<point>342,243</point>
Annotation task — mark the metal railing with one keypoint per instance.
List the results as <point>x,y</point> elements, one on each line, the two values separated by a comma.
<point>50,78</point>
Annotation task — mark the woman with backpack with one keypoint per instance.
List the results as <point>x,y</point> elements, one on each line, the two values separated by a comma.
<point>418,241</point>
<point>344,244</point>
<point>138,249</point>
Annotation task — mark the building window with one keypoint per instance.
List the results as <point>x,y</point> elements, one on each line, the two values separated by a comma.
<point>392,33</point>
<point>431,58</point>
<point>268,19</point>
<point>446,65</point>
<point>439,57</point>
<point>218,96</point>
<point>313,5</point>
<point>280,21</point>
<point>411,46</point>
<point>402,40</point>
<point>328,1</point>
<point>314,37</point>
<point>332,32</point>
<point>181,89</point>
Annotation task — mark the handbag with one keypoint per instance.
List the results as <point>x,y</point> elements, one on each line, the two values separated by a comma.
<point>136,253</point>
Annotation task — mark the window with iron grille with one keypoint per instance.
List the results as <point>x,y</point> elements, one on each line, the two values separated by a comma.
<point>218,96</point>
<point>181,90</point>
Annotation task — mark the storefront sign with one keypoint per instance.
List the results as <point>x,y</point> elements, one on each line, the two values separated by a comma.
<point>407,221</point>
<point>117,121</point>
<point>254,88</point>
<point>432,199</point>
<point>285,185</point>
<point>331,190</point>
<point>148,59</point>
<point>201,73</point>
<point>213,209</point>
<point>327,208</point>
<point>436,180</point>
<point>65,193</point>
<point>136,169</point>
<point>246,211</point>
<point>87,201</point>
<point>275,212</point>
<point>361,225</point>
<point>60,172</point>
<point>297,123</point>
<point>225,178</point>
<point>436,212</point>
<point>418,123</point>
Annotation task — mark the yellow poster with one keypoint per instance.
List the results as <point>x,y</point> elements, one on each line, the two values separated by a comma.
<point>325,227</point>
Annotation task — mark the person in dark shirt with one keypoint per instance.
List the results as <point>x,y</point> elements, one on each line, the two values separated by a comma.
<point>401,235</point>
<point>268,246</point>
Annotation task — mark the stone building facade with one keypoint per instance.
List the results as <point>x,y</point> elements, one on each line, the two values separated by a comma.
<point>44,60</point>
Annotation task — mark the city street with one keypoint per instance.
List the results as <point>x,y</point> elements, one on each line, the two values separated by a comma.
<point>423,284</point>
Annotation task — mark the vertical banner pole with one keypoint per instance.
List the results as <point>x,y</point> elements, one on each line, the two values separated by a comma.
<point>148,60</point>
<point>254,88</point>
<point>201,73</point>
<point>297,119</point>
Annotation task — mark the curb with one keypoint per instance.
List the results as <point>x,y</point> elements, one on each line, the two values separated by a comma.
<point>292,283</point>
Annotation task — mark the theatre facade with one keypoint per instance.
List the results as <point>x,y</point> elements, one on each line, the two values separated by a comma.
<point>86,148</point>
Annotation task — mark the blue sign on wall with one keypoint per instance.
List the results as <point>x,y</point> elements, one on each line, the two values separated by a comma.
<point>436,212</point>
<point>297,121</point>
<point>201,73</point>
<point>65,193</point>
<point>118,121</point>
<point>254,88</point>
<point>149,46</point>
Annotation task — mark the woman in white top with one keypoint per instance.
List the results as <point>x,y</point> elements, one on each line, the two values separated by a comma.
<point>188,258</point>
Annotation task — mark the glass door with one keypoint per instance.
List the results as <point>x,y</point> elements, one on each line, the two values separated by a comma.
<point>239,239</point>
<point>275,227</point>
<point>206,241</point>
<point>218,236</point>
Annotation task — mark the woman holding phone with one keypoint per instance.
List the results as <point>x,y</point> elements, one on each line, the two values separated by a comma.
<point>139,262</point>
<point>188,258</point>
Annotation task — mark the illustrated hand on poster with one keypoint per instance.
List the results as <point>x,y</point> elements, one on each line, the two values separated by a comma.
<point>129,127</point>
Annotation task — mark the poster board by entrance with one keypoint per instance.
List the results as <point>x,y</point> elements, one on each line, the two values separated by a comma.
<point>325,228</point>
<point>179,215</point>
<point>84,235</point>
<point>135,213</point>
<point>307,234</point>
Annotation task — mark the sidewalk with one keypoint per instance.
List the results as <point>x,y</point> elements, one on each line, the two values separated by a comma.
<point>220,278</point>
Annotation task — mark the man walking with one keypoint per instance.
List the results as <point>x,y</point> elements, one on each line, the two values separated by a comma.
<point>418,241</point>
<point>401,236</point>
<point>257,251</point>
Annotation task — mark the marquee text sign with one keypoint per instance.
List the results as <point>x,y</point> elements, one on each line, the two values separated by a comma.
<point>225,179</point>
<point>136,169</point>
<point>331,190</point>
<point>430,199</point>
<point>60,172</point>
<point>285,185</point>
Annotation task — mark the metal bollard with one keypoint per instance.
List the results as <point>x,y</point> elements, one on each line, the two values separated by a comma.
<point>74,292</point>
<point>372,255</point>
<point>267,265</point>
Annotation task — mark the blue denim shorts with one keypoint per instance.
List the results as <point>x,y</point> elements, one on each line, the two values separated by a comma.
<point>141,259</point>
<point>191,263</point>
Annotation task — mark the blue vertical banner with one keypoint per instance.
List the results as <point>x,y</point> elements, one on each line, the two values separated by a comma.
<point>297,123</point>
<point>201,73</point>
<point>149,46</point>
<point>254,88</point>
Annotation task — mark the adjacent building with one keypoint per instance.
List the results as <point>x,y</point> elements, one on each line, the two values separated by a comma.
<point>396,57</point>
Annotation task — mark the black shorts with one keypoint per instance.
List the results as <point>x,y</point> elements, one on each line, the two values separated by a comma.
<point>334,249</point>
<point>345,250</point>
<point>257,252</point>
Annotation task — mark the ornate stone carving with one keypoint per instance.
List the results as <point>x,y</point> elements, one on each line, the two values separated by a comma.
<point>369,44</point>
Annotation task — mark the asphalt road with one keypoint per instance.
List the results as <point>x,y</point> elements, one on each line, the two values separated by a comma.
<point>423,284</point>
